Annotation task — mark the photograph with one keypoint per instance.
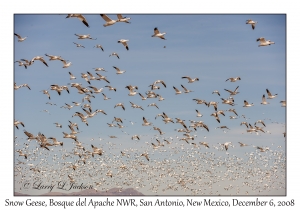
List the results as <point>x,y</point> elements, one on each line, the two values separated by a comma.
<point>149,105</point>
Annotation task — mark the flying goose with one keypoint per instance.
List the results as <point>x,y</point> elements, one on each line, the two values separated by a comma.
<point>143,98</point>
<point>264,42</point>
<point>105,97</point>
<point>102,78</point>
<point>242,144</point>
<point>40,58</point>
<point>80,17</point>
<point>158,34</point>
<point>186,90</point>
<point>226,144</point>
<point>22,154</point>
<point>71,136</point>
<point>66,64</point>
<point>20,39</point>
<point>122,19</point>
<point>78,45</point>
<point>233,110</point>
<point>115,54</point>
<point>233,79</point>
<point>145,155</point>
<point>22,64</point>
<point>198,113</point>
<point>283,103</point>
<point>177,91</point>
<point>135,137</point>
<point>263,149</point>
<point>96,90</point>
<point>217,92</point>
<point>136,106</point>
<point>72,76</point>
<point>124,42</point>
<point>55,142</point>
<point>153,104</point>
<point>118,70</point>
<point>204,144</point>
<point>99,46</point>
<point>99,69</point>
<point>252,23</point>
<point>246,104</point>
<point>245,123</point>
<point>146,123</point>
<point>121,105</point>
<point>232,93</point>
<point>270,96</point>
<point>16,123</point>
<point>84,36</point>
<point>111,88</point>
<point>264,102</point>
<point>58,125</point>
<point>96,151</point>
<point>260,121</point>
<point>190,79</point>
<point>109,21</point>
<point>53,57</point>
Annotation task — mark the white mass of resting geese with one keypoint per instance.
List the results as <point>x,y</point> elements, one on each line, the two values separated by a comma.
<point>189,165</point>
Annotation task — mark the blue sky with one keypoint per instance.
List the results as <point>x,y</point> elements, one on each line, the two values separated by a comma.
<point>210,47</point>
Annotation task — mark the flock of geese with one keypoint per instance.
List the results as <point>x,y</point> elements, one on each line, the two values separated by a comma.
<point>179,163</point>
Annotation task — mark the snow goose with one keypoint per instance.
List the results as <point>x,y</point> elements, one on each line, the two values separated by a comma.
<point>264,102</point>
<point>72,76</point>
<point>264,42</point>
<point>122,19</point>
<point>153,104</point>
<point>143,98</point>
<point>146,123</point>
<point>96,90</point>
<point>283,103</point>
<point>21,64</point>
<point>16,123</point>
<point>55,142</point>
<point>233,110</point>
<point>252,23</point>
<point>145,155</point>
<point>58,125</point>
<point>246,104</point>
<point>217,92</point>
<point>53,57</point>
<point>99,69</point>
<point>85,36</point>
<point>22,154</point>
<point>99,46</point>
<point>158,34</point>
<point>66,64</point>
<point>136,106</point>
<point>111,88</point>
<point>118,70</point>
<point>115,54</point>
<point>40,58</point>
<point>102,78</point>
<point>20,39</point>
<point>80,17</point>
<point>204,144</point>
<point>226,144</point>
<point>242,144</point>
<point>124,42</point>
<point>198,113</point>
<point>78,45</point>
<point>46,93</point>
<point>186,90</point>
<point>190,79</point>
<point>232,93</point>
<point>177,91</point>
<point>105,97</point>
<point>270,96</point>
<point>233,79</point>
<point>121,105</point>
<point>108,21</point>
